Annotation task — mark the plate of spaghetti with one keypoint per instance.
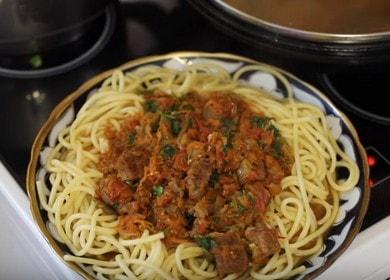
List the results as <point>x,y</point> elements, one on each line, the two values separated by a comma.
<point>198,166</point>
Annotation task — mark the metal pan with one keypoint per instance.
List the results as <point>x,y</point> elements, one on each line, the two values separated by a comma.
<point>299,44</point>
<point>31,26</point>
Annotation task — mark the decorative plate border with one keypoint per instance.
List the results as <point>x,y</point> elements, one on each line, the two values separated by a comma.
<point>353,205</point>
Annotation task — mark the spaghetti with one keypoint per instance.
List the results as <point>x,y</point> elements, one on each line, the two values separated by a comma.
<point>302,212</point>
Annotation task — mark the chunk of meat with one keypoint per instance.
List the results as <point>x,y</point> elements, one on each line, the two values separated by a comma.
<point>218,107</point>
<point>195,150</point>
<point>199,171</point>
<point>132,226</point>
<point>163,101</point>
<point>115,193</point>
<point>170,220</point>
<point>274,170</point>
<point>250,172</point>
<point>210,203</point>
<point>265,243</point>
<point>200,226</point>
<point>131,163</point>
<point>180,161</point>
<point>274,188</point>
<point>198,177</point>
<point>262,195</point>
<point>230,253</point>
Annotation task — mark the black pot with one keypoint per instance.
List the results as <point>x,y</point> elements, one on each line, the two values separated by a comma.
<point>298,45</point>
<point>32,26</point>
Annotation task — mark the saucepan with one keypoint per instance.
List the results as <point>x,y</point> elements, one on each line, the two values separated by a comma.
<point>31,26</point>
<point>324,31</point>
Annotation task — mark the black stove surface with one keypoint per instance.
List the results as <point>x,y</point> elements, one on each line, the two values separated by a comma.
<point>156,27</point>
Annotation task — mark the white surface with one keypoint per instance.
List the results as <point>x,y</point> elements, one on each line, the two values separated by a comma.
<point>368,257</point>
<point>24,253</point>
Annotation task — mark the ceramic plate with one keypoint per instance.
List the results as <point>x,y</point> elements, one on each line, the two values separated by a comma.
<point>353,204</point>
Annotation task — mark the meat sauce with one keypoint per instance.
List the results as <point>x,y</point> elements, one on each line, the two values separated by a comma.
<point>199,169</point>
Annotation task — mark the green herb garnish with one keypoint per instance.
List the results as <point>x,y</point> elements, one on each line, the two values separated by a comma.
<point>36,61</point>
<point>205,242</point>
<point>168,115</point>
<point>175,123</point>
<point>116,206</point>
<point>228,125</point>
<point>158,190</point>
<point>168,151</point>
<point>236,204</point>
<point>229,141</point>
<point>151,106</point>
<point>131,138</point>
<point>248,194</point>
<point>175,127</point>
<point>241,208</point>
<point>265,123</point>
<point>214,178</point>
<point>260,122</point>
<point>274,130</point>
<point>277,148</point>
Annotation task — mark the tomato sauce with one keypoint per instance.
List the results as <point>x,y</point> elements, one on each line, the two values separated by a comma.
<point>199,169</point>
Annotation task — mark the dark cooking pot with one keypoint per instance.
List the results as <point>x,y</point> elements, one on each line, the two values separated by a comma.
<point>31,26</point>
<point>294,43</point>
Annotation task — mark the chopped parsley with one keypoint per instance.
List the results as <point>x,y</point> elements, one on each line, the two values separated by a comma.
<point>214,178</point>
<point>151,106</point>
<point>169,115</point>
<point>236,204</point>
<point>168,151</point>
<point>241,208</point>
<point>277,148</point>
<point>205,242</point>
<point>228,125</point>
<point>175,127</point>
<point>248,194</point>
<point>116,206</point>
<point>36,61</point>
<point>274,130</point>
<point>158,190</point>
<point>265,123</point>
<point>175,123</point>
<point>229,141</point>
<point>131,138</point>
<point>260,122</point>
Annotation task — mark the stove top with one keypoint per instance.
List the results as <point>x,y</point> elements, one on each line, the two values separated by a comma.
<point>156,27</point>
